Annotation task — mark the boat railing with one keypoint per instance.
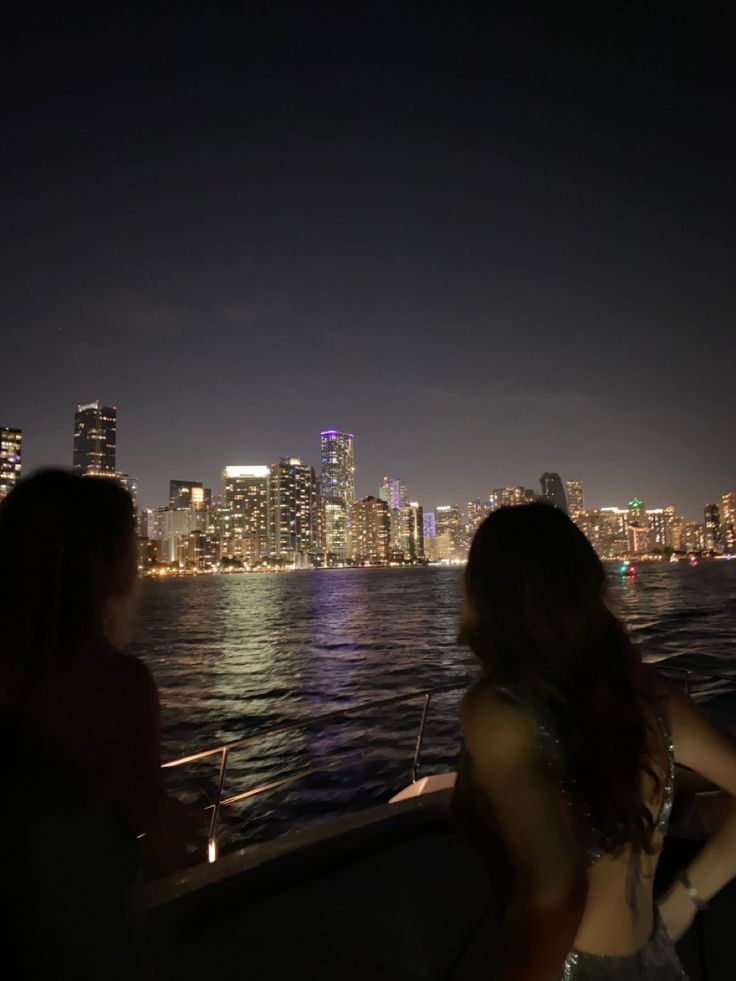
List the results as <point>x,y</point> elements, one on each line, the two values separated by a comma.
<point>423,696</point>
<point>223,751</point>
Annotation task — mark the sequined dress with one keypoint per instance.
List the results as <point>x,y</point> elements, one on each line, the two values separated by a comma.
<point>657,960</point>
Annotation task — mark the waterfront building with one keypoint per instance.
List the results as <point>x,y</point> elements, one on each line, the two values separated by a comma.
<point>338,466</point>
<point>508,497</point>
<point>429,525</point>
<point>552,490</point>
<point>692,537</point>
<point>727,516</point>
<point>414,520</point>
<point>659,522</point>
<point>245,524</point>
<point>614,532</point>
<point>371,531</point>
<point>149,552</point>
<point>475,513</point>
<point>575,498</point>
<point>293,511</point>
<point>335,530</point>
<point>450,540</point>
<point>337,472</point>
<point>639,539</point>
<point>711,528</point>
<point>11,452</point>
<point>95,440</point>
<point>175,524</point>
<point>186,494</point>
<point>393,492</point>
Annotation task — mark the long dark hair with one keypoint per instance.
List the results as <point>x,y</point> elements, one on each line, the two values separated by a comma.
<point>63,542</point>
<point>537,619</point>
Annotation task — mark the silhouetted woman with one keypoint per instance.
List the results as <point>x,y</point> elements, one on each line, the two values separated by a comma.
<point>79,723</point>
<point>570,745</point>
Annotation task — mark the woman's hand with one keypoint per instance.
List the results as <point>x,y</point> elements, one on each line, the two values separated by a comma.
<point>677,911</point>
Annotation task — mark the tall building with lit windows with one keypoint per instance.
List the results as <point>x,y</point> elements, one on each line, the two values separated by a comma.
<point>186,494</point>
<point>244,518</point>
<point>337,481</point>
<point>95,440</point>
<point>575,500</point>
<point>727,517</point>
<point>508,497</point>
<point>11,441</point>
<point>450,539</point>
<point>553,491</point>
<point>371,531</point>
<point>711,528</point>
<point>292,511</point>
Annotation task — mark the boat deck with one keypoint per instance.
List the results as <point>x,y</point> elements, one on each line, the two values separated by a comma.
<point>389,894</point>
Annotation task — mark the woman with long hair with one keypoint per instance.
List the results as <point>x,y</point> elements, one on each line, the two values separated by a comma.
<point>79,724</point>
<point>569,751</point>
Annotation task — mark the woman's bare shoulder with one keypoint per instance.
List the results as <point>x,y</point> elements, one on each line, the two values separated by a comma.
<point>495,727</point>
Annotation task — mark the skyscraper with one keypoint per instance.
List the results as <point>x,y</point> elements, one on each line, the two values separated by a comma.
<point>450,541</point>
<point>337,481</point>
<point>338,466</point>
<point>95,439</point>
<point>371,529</point>
<point>186,494</point>
<point>11,441</point>
<point>335,530</point>
<point>475,513</point>
<point>292,511</point>
<point>507,497</point>
<point>244,521</point>
<point>553,491</point>
<point>711,528</point>
<point>575,501</point>
<point>728,523</point>
<point>393,492</point>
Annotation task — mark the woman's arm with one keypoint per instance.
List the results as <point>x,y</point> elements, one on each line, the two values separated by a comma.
<point>167,826</point>
<point>701,746</point>
<point>520,796</point>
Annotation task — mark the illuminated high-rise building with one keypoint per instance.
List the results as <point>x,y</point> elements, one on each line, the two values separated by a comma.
<point>450,540</point>
<point>186,494</point>
<point>337,476</point>
<point>293,511</point>
<point>393,492</point>
<point>11,443</point>
<point>659,522</point>
<point>371,531</point>
<point>553,491</point>
<point>575,500</point>
<point>338,466</point>
<point>244,517</point>
<point>507,497</point>
<point>95,440</point>
<point>691,536</point>
<point>475,512</point>
<point>711,528</point>
<point>728,523</point>
<point>335,530</point>
<point>415,516</point>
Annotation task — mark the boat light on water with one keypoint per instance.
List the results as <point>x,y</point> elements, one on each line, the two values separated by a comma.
<point>693,560</point>
<point>628,569</point>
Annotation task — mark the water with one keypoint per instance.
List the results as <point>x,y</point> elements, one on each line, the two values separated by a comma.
<point>235,654</point>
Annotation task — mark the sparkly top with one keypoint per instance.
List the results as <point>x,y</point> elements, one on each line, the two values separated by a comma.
<point>552,750</point>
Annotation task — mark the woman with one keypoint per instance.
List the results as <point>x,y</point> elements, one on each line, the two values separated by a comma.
<point>79,723</point>
<point>569,760</point>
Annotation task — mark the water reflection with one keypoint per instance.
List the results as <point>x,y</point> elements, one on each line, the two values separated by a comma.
<point>233,654</point>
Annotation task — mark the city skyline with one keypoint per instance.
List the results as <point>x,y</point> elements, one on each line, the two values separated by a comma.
<point>244,228</point>
<point>145,498</point>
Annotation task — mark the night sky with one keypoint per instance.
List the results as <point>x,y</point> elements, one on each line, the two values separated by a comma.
<point>487,247</point>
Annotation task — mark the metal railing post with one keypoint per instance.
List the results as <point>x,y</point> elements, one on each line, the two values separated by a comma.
<point>212,836</point>
<point>420,739</point>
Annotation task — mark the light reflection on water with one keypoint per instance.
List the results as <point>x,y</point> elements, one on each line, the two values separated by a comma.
<point>234,654</point>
